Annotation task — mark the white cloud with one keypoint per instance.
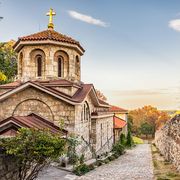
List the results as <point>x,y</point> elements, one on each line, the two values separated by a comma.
<point>87,19</point>
<point>175,24</point>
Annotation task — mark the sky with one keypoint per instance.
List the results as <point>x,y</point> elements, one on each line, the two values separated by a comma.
<point>132,46</point>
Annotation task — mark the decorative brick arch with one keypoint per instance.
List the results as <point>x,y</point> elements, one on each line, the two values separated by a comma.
<point>36,106</point>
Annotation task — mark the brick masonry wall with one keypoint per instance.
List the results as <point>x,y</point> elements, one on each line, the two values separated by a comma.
<point>168,141</point>
<point>8,167</point>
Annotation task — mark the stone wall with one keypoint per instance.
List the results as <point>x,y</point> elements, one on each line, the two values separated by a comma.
<point>35,101</point>
<point>8,167</point>
<point>167,140</point>
<point>102,130</point>
<point>27,66</point>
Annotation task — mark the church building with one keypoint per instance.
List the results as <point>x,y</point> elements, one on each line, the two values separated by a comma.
<point>48,92</point>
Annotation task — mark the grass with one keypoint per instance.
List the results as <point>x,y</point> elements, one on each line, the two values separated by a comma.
<point>137,140</point>
<point>163,170</point>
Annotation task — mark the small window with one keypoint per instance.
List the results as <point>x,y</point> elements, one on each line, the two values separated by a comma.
<point>60,66</point>
<point>39,66</point>
<point>77,65</point>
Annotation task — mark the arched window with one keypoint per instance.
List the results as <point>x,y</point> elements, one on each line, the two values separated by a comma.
<point>21,65</point>
<point>60,66</point>
<point>77,67</point>
<point>39,65</point>
<point>85,114</point>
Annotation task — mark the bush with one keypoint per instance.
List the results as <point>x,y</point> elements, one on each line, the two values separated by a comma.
<point>118,149</point>
<point>137,140</point>
<point>81,159</point>
<point>99,162</point>
<point>34,149</point>
<point>106,161</point>
<point>123,139</point>
<point>129,142</point>
<point>81,169</point>
<point>73,158</point>
<point>72,143</point>
<point>91,167</point>
<point>111,158</point>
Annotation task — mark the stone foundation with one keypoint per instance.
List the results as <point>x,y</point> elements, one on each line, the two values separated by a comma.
<point>168,141</point>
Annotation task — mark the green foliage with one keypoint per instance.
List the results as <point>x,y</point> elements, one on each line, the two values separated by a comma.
<point>146,129</point>
<point>123,139</point>
<point>137,140</point>
<point>112,157</point>
<point>99,162</point>
<point>81,159</point>
<point>3,78</point>
<point>130,122</point>
<point>8,61</point>
<point>91,167</point>
<point>72,143</point>
<point>118,149</point>
<point>129,141</point>
<point>81,169</point>
<point>34,149</point>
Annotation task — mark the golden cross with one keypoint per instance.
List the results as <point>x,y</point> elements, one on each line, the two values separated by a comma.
<point>51,13</point>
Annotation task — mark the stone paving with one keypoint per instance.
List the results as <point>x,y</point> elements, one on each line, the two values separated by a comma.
<point>136,164</point>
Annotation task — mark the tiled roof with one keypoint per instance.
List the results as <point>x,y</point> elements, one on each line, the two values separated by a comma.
<point>10,85</point>
<point>49,35</point>
<point>82,90</point>
<point>117,109</point>
<point>119,123</point>
<point>31,121</point>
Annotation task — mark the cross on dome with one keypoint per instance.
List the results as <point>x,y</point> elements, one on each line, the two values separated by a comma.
<point>51,13</point>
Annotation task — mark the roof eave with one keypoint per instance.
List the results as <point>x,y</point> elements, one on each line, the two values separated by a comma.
<point>19,44</point>
<point>28,84</point>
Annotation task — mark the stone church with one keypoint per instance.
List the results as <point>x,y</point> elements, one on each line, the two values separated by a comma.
<point>49,91</point>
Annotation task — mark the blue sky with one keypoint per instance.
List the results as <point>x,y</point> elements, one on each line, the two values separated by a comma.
<point>132,46</point>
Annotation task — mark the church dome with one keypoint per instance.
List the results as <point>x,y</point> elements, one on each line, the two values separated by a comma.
<point>50,35</point>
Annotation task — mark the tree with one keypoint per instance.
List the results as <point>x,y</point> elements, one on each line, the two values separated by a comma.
<point>3,78</point>
<point>150,115</point>
<point>33,149</point>
<point>100,95</point>
<point>129,141</point>
<point>162,119</point>
<point>8,60</point>
<point>146,129</point>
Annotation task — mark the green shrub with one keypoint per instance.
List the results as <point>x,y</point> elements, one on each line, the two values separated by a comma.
<point>137,140</point>
<point>99,162</point>
<point>118,149</point>
<point>91,167</point>
<point>123,139</point>
<point>106,161</point>
<point>72,143</point>
<point>81,159</point>
<point>116,155</point>
<point>111,158</point>
<point>129,142</point>
<point>73,158</point>
<point>34,149</point>
<point>81,169</point>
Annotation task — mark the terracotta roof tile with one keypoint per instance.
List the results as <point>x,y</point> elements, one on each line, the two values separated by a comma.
<point>10,85</point>
<point>49,35</point>
<point>78,97</point>
<point>117,109</point>
<point>32,121</point>
<point>119,123</point>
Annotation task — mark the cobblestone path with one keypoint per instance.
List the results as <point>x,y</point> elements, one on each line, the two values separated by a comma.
<point>136,164</point>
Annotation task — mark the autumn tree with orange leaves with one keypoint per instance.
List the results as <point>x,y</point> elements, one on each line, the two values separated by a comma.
<point>149,115</point>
